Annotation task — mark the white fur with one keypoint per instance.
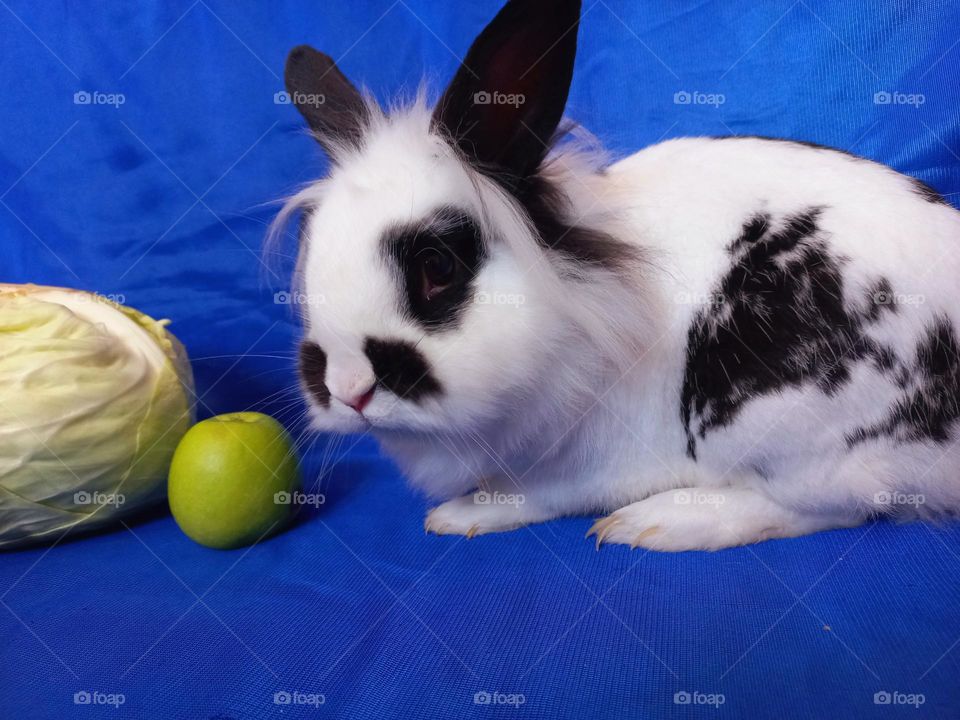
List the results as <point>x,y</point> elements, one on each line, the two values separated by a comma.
<point>570,395</point>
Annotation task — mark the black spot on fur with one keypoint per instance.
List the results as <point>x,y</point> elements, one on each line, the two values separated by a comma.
<point>927,192</point>
<point>780,321</point>
<point>401,369</point>
<point>885,360</point>
<point>881,299</point>
<point>546,205</point>
<point>753,231</point>
<point>313,370</point>
<point>930,405</point>
<point>449,233</point>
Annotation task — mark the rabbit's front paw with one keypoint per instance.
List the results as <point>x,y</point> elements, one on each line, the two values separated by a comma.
<point>475,514</point>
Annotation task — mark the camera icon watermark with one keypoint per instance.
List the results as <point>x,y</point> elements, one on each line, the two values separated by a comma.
<point>96,97</point>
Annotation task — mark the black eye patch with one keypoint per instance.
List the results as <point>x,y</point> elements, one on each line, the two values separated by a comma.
<point>313,370</point>
<point>401,369</point>
<point>436,262</point>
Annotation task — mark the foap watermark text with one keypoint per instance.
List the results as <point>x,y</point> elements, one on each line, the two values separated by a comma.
<point>695,697</point>
<point>499,98</point>
<point>483,497</point>
<point>84,497</point>
<point>96,97</point>
<point>96,697</point>
<point>299,498</point>
<point>299,99</point>
<point>484,697</point>
<point>499,298</point>
<point>895,697</point>
<point>695,97</point>
<point>294,297</point>
<point>895,97</point>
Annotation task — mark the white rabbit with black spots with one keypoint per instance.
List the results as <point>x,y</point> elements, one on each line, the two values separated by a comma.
<point>713,341</point>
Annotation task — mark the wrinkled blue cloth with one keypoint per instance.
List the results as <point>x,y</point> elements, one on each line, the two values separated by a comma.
<point>139,145</point>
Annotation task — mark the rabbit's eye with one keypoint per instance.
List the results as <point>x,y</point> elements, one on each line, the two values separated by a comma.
<point>439,268</point>
<point>437,259</point>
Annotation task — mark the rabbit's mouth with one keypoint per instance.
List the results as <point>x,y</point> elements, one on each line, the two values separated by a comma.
<point>384,388</point>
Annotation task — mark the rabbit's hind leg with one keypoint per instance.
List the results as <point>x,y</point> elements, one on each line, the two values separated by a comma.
<point>710,518</point>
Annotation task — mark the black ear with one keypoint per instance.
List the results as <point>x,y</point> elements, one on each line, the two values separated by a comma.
<point>332,106</point>
<point>506,100</point>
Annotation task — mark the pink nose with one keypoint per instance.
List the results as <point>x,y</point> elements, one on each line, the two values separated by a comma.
<point>359,402</point>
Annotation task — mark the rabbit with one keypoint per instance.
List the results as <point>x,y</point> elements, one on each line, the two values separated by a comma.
<point>709,343</point>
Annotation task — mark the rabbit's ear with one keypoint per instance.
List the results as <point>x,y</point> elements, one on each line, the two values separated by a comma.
<point>507,98</point>
<point>331,105</point>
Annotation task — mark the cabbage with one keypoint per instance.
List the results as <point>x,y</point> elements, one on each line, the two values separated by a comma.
<point>94,398</point>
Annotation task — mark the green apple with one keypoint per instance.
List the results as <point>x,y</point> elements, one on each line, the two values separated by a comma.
<point>230,479</point>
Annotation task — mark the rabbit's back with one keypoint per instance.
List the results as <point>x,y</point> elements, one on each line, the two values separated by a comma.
<point>810,299</point>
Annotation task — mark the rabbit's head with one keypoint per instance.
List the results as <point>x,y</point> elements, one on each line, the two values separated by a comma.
<point>441,258</point>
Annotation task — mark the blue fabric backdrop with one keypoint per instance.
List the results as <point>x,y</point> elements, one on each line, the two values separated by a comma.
<point>159,199</point>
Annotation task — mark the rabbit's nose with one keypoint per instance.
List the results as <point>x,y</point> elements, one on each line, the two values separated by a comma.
<point>359,402</point>
<point>353,386</point>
